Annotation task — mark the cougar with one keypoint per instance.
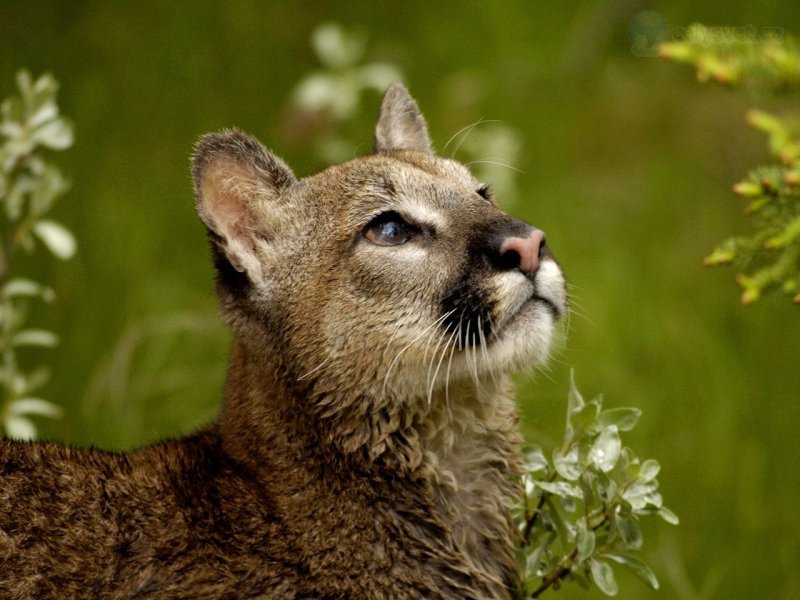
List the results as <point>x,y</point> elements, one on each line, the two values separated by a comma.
<point>367,443</point>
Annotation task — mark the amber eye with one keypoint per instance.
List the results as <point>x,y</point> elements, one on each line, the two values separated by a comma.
<point>389,229</point>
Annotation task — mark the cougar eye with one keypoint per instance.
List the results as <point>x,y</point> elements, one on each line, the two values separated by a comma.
<point>389,229</point>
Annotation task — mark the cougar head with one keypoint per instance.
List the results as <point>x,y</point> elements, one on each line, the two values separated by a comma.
<point>386,277</point>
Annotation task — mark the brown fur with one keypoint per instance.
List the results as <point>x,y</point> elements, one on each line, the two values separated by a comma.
<point>367,443</point>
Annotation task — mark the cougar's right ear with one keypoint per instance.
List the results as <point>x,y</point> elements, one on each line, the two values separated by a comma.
<point>236,183</point>
<point>401,125</point>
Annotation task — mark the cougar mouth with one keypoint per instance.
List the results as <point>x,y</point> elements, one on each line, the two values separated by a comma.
<point>547,291</point>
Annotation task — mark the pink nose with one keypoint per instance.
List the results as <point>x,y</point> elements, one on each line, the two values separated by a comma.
<point>527,249</point>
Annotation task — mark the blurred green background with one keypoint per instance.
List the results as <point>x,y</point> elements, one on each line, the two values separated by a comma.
<point>626,162</point>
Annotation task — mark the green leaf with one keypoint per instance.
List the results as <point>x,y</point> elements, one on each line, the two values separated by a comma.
<point>649,470</point>
<point>606,449</point>
<point>669,516</point>
<point>35,406</point>
<point>35,337</point>
<point>56,134</point>
<point>58,239</point>
<point>639,568</point>
<point>19,428</point>
<point>584,541</point>
<point>603,577</point>
<point>560,488</point>
<point>532,562</point>
<point>639,494</point>
<point>630,533</point>
<point>567,466</point>
<point>575,401</point>
<point>534,459</point>
<point>624,419</point>
<point>26,287</point>
<point>604,487</point>
<point>585,417</point>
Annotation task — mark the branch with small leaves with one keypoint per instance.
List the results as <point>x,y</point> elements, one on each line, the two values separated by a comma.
<point>770,257</point>
<point>29,187</point>
<point>581,510</point>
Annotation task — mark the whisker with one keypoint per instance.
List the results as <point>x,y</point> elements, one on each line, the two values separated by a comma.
<point>431,380</point>
<point>314,370</point>
<point>497,163</point>
<point>447,377</point>
<point>407,346</point>
<point>436,373</point>
<point>485,352</point>
<point>468,129</point>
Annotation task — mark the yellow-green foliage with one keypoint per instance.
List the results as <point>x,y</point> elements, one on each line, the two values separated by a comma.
<point>769,258</point>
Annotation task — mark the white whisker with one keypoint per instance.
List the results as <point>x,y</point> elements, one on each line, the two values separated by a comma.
<point>497,163</point>
<point>314,370</point>
<point>407,346</point>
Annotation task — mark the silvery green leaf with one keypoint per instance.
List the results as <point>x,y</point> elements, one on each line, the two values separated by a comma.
<point>529,485</point>
<point>606,449</point>
<point>568,503</point>
<point>654,499</point>
<point>314,92</point>
<point>638,494</point>
<point>560,488</point>
<point>336,47</point>
<point>46,86</point>
<point>575,401</point>
<point>534,459</point>
<point>17,383</point>
<point>603,577</point>
<point>24,82</point>
<point>27,287</point>
<point>11,129</point>
<point>35,406</point>
<point>604,486</point>
<point>649,470</point>
<point>46,112</point>
<point>624,419</point>
<point>585,417</point>
<point>630,533</point>
<point>56,134</point>
<point>584,541</point>
<point>532,562</point>
<point>669,516</point>
<point>567,466</point>
<point>58,239</point>
<point>35,337</point>
<point>21,287</point>
<point>378,76</point>
<point>639,568</point>
<point>19,428</point>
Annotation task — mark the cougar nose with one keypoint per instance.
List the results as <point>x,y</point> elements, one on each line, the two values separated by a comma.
<point>523,253</point>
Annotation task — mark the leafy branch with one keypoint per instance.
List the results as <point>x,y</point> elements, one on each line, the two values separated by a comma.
<point>581,510</point>
<point>29,187</point>
<point>770,257</point>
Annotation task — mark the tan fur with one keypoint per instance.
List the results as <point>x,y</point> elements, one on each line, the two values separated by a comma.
<point>367,443</point>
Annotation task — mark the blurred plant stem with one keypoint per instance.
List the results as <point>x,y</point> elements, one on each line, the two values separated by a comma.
<point>29,187</point>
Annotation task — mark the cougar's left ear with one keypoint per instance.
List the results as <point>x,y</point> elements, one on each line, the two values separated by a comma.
<point>237,183</point>
<point>401,126</point>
